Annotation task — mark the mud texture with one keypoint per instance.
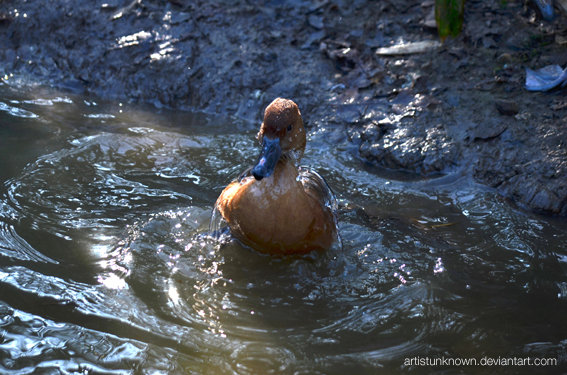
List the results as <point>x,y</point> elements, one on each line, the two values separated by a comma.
<point>457,108</point>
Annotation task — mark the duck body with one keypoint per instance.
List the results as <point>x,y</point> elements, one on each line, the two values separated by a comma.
<point>273,209</point>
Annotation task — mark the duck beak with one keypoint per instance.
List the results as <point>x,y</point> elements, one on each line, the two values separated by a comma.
<point>271,151</point>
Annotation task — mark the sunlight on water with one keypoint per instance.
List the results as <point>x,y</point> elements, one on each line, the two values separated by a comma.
<point>16,112</point>
<point>110,261</point>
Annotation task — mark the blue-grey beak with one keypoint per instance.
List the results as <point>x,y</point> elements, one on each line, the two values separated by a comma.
<point>269,157</point>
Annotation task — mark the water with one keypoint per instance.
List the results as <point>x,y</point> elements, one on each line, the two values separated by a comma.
<point>105,265</point>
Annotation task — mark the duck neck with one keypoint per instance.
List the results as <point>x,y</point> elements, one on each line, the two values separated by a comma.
<point>292,156</point>
<point>285,169</point>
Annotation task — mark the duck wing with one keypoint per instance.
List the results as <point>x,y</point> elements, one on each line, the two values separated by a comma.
<point>316,186</point>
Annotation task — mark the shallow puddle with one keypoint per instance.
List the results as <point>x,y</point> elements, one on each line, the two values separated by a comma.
<point>106,265</point>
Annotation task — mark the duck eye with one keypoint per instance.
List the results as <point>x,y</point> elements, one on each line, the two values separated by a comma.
<point>289,127</point>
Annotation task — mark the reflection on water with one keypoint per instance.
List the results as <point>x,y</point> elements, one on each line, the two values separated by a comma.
<point>106,263</point>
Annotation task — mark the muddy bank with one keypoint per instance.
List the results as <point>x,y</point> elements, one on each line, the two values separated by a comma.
<point>458,108</point>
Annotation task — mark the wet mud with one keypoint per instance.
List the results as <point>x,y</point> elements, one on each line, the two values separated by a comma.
<point>460,107</point>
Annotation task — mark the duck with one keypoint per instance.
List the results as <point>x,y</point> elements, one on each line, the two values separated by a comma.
<point>274,207</point>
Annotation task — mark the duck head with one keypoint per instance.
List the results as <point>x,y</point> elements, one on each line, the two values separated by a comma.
<point>282,136</point>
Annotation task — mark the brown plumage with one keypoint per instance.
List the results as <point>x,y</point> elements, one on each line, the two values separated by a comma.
<point>273,211</point>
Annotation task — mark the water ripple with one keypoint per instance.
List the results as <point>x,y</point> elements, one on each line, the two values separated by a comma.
<point>107,265</point>
<point>12,245</point>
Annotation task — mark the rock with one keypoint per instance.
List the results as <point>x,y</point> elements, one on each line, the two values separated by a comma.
<point>412,148</point>
<point>429,21</point>
<point>315,21</point>
<point>409,48</point>
<point>506,107</point>
<point>504,58</point>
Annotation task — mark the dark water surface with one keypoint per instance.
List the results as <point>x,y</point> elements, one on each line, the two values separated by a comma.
<point>105,265</point>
